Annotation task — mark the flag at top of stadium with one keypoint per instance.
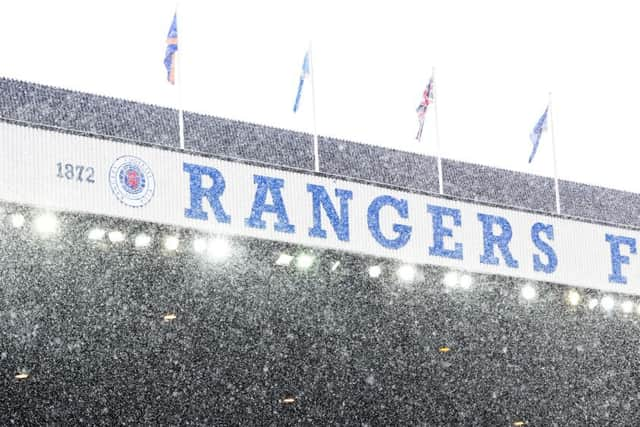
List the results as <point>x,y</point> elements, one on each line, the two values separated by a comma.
<point>536,132</point>
<point>303,75</point>
<point>427,98</point>
<point>172,48</point>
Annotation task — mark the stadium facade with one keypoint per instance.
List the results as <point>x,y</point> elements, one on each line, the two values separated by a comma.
<point>228,283</point>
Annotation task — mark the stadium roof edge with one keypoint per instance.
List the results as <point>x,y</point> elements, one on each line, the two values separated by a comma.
<point>106,117</point>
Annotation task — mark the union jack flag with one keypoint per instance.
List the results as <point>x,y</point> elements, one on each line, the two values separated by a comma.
<point>427,98</point>
<point>172,48</point>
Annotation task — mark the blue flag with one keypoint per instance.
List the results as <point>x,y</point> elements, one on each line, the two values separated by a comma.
<point>303,75</point>
<point>536,133</point>
<point>172,48</point>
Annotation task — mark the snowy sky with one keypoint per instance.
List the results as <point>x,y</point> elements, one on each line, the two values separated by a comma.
<point>496,63</point>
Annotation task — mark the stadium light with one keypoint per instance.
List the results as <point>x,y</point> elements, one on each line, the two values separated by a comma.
<point>304,261</point>
<point>288,400</point>
<point>607,302</point>
<point>171,243</point>
<point>528,292</point>
<point>284,259</point>
<point>466,281</point>
<point>116,236</point>
<point>450,279</point>
<point>218,248</point>
<point>17,220</point>
<point>22,374</point>
<point>199,245</point>
<point>406,273</point>
<point>46,223</point>
<point>593,303</point>
<point>142,240</point>
<point>375,271</point>
<point>627,306</point>
<point>96,234</point>
<point>573,297</point>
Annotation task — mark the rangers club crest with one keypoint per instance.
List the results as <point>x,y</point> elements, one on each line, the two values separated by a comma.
<point>132,181</point>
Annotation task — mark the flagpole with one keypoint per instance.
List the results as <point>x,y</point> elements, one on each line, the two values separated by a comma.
<point>555,164</point>
<point>178,72</point>
<point>316,160</point>
<point>180,111</point>
<point>435,112</point>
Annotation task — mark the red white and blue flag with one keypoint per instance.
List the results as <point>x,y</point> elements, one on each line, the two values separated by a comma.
<point>172,48</point>
<point>427,99</point>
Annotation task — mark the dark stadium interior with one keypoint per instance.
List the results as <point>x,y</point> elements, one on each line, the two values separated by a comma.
<point>253,342</point>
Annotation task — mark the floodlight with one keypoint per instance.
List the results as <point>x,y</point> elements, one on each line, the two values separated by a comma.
<point>466,281</point>
<point>573,297</point>
<point>142,240</point>
<point>406,273</point>
<point>284,259</point>
<point>46,223</point>
<point>375,271</point>
<point>627,306</point>
<point>219,248</point>
<point>304,261</point>
<point>607,302</point>
<point>171,243</point>
<point>17,220</point>
<point>593,303</point>
<point>116,236</point>
<point>529,292</point>
<point>199,245</point>
<point>96,234</point>
<point>451,279</point>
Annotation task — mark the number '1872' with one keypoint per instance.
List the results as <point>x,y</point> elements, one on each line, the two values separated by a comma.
<point>76,172</point>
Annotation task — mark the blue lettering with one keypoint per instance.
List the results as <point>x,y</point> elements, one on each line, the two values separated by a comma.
<point>198,193</point>
<point>618,259</point>
<point>440,232</point>
<point>547,229</point>
<point>273,186</point>
<point>501,241</point>
<point>340,223</point>
<point>373,221</point>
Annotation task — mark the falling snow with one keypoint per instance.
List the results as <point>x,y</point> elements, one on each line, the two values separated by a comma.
<point>102,333</point>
